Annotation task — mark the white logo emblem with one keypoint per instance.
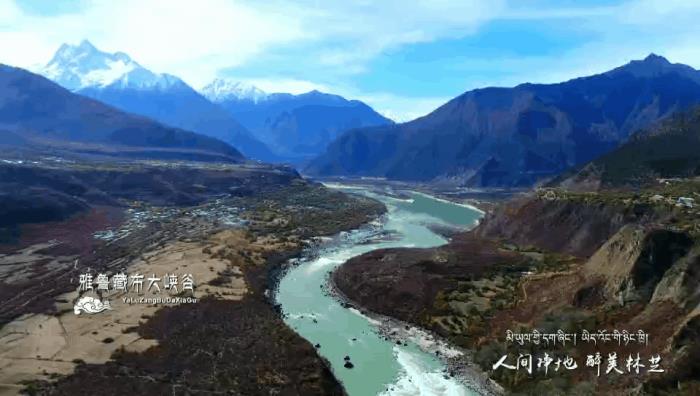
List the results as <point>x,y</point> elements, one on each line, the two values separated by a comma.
<point>90,305</point>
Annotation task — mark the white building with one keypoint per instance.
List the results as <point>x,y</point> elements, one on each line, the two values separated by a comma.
<point>685,201</point>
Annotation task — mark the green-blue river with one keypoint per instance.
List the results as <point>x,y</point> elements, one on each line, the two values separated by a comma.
<point>381,367</point>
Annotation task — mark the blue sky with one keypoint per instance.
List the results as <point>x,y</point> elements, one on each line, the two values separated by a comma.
<point>402,57</point>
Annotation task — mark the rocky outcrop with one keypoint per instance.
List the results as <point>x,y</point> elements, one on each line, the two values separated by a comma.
<point>680,283</point>
<point>634,261</point>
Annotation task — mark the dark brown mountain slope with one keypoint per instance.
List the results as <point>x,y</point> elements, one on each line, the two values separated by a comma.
<point>40,113</point>
<point>517,136</point>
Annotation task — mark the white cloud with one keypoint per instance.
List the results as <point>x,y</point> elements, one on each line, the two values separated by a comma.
<point>197,40</point>
<point>191,39</point>
<point>557,12</point>
<point>658,12</point>
<point>8,13</point>
<point>615,35</point>
<point>365,29</point>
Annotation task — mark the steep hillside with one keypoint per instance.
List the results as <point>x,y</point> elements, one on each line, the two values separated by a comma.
<point>36,111</point>
<point>575,224</point>
<point>517,136</point>
<point>668,150</point>
<point>183,108</point>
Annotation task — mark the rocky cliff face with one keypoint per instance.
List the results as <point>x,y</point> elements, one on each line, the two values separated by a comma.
<point>680,282</point>
<point>632,264</point>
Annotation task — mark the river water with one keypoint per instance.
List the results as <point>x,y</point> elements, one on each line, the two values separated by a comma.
<point>381,367</point>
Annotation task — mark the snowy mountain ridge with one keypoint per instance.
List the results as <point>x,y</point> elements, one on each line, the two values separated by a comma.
<point>81,66</point>
<point>221,90</point>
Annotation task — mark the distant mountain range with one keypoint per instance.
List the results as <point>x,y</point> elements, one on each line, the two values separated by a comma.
<point>35,112</point>
<point>118,80</point>
<point>517,136</point>
<point>295,127</point>
<point>276,127</point>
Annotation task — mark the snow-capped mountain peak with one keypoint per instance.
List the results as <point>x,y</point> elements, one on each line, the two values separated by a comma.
<point>221,90</point>
<point>83,66</point>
